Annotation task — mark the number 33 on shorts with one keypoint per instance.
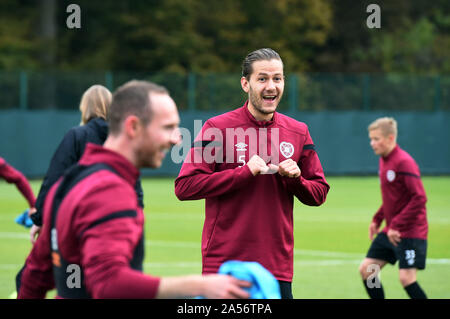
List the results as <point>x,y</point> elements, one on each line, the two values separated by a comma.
<point>410,256</point>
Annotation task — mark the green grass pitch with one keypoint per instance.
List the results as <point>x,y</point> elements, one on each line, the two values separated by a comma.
<point>330,241</point>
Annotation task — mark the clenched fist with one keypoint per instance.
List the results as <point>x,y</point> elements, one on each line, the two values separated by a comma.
<point>258,166</point>
<point>289,168</point>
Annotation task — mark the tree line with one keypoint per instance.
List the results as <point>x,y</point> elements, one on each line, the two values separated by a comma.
<point>184,36</point>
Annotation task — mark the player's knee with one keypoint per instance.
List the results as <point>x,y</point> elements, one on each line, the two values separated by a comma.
<point>407,277</point>
<point>369,268</point>
<point>363,270</point>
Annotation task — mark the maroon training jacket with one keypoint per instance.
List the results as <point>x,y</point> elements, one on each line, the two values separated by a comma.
<point>87,237</point>
<point>403,195</point>
<point>11,175</point>
<point>250,218</point>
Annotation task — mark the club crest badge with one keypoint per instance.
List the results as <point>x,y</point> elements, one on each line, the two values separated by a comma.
<point>287,149</point>
<point>390,175</point>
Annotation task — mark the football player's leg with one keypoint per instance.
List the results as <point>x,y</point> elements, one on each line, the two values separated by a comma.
<point>411,253</point>
<point>408,279</point>
<point>407,276</point>
<point>370,269</point>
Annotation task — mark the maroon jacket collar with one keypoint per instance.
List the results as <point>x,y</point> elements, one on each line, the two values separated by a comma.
<point>98,154</point>
<point>255,121</point>
<point>391,154</point>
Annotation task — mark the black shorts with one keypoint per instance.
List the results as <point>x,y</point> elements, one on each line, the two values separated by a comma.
<point>285,289</point>
<point>410,252</point>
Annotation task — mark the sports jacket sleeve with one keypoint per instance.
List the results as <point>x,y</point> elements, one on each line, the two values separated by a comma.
<point>379,216</point>
<point>416,192</point>
<point>11,175</point>
<point>198,179</point>
<point>37,275</point>
<point>310,188</point>
<point>36,278</point>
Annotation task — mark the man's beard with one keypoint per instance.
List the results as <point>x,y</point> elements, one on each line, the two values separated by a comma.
<point>256,100</point>
<point>146,159</point>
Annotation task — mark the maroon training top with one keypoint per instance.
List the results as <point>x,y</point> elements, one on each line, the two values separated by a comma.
<point>403,196</point>
<point>11,175</point>
<point>250,218</point>
<point>103,250</point>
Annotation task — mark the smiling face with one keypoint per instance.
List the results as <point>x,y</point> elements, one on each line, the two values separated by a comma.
<point>264,87</point>
<point>158,136</point>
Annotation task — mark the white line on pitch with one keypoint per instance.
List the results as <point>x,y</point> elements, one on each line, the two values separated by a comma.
<point>181,244</point>
<point>14,235</point>
<point>299,263</point>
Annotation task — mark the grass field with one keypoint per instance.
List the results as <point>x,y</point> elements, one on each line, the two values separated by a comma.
<point>330,241</point>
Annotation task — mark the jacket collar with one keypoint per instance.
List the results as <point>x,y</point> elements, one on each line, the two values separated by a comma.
<point>98,154</point>
<point>254,121</point>
<point>391,154</point>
